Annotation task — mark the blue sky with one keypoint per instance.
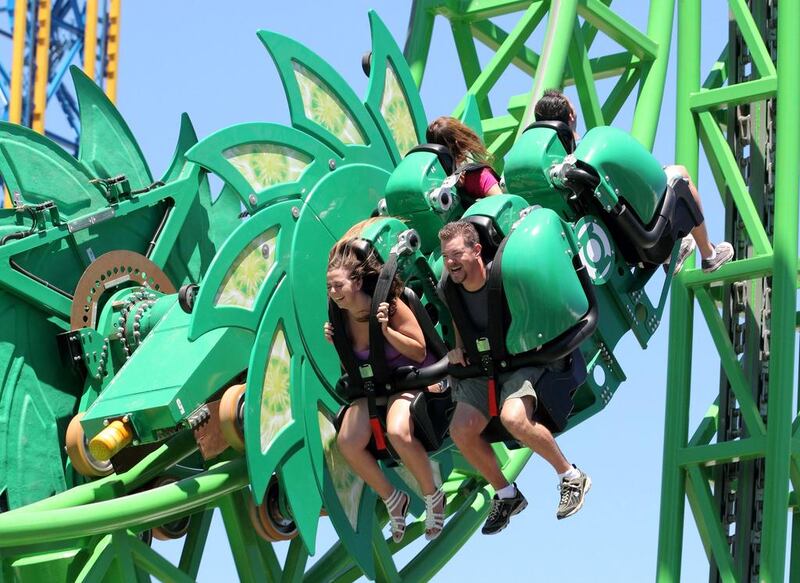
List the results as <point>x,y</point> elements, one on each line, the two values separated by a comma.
<point>203,57</point>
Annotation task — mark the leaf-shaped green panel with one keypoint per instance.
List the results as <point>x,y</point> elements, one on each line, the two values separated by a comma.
<point>249,271</point>
<point>349,487</point>
<point>395,110</point>
<point>107,145</point>
<point>275,404</point>
<point>243,275</point>
<point>191,250</point>
<point>264,162</point>
<point>322,104</point>
<point>264,165</point>
<point>39,170</point>
<point>187,138</point>
<point>392,97</point>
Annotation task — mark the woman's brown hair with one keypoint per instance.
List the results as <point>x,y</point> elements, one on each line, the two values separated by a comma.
<point>463,143</point>
<point>363,267</point>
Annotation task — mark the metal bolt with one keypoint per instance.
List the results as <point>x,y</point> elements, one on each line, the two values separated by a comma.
<point>295,212</point>
<point>252,198</point>
<point>332,164</point>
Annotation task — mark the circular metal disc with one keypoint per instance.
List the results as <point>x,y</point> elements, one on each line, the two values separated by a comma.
<point>109,271</point>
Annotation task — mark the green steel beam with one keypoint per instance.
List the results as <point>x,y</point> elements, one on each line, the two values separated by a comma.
<point>651,91</point>
<point>475,9</point>
<point>155,564</point>
<point>724,452</point>
<point>762,61</point>
<point>252,563</point>
<point>578,59</point>
<point>493,37</point>
<point>619,94</point>
<point>676,429</point>
<point>714,540</point>
<point>746,92</point>
<point>730,364</point>
<point>172,500</point>
<point>707,428</point>
<point>418,42</point>
<point>618,29</point>
<point>784,298</point>
<point>485,79</point>
<point>740,270</point>
<point>727,173</point>
<point>195,543</point>
<point>470,66</point>
<point>554,54</point>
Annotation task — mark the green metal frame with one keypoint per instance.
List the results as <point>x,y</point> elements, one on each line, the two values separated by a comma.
<point>688,461</point>
<point>362,144</point>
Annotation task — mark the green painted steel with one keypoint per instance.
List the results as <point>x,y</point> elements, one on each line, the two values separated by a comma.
<point>624,168</point>
<point>530,176</point>
<point>160,362</point>
<point>752,467</point>
<point>545,277</point>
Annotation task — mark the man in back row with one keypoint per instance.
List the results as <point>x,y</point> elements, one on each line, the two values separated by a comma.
<point>461,252</point>
<point>555,106</point>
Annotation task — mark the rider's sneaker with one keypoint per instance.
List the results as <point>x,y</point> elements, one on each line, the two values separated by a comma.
<point>572,494</point>
<point>724,253</point>
<point>502,510</point>
<point>687,246</point>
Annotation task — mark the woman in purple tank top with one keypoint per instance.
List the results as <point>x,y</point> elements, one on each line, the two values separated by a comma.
<point>351,282</point>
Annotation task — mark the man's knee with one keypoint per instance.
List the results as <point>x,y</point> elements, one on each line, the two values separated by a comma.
<point>466,427</point>
<point>514,416</point>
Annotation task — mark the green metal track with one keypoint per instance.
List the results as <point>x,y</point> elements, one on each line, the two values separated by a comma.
<point>739,474</point>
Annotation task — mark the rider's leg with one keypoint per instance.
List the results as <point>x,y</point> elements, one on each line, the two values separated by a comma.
<point>400,430</point>
<point>353,439</point>
<point>465,429</point>
<point>516,415</point>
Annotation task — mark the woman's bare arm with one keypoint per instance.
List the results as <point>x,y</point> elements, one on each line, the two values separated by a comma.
<point>403,331</point>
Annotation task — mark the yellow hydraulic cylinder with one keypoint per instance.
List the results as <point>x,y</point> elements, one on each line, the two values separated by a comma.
<point>90,39</point>
<point>43,12</point>
<point>17,71</point>
<point>111,440</point>
<point>112,49</point>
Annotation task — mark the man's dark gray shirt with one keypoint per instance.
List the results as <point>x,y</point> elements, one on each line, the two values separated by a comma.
<point>476,306</point>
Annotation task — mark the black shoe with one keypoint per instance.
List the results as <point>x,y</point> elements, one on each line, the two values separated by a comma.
<point>502,510</point>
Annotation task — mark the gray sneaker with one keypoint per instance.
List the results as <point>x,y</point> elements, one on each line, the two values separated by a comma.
<point>724,253</point>
<point>687,247</point>
<point>572,494</point>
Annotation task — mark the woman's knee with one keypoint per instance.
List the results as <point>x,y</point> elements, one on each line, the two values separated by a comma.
<point>400,430</point>
<point>351,440</point>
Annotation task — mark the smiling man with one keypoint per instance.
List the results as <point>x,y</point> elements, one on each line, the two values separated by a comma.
<point>461,252</point>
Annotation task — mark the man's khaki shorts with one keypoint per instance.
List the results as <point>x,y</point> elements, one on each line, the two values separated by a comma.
<point>513,385</point>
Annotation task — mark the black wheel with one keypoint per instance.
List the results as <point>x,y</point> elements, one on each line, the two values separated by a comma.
<point>186,296</point>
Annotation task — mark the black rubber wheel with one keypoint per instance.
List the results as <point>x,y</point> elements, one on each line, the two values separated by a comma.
<point>186,296</point>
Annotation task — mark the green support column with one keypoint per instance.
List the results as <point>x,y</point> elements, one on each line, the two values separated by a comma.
<point>784,299</point>
<point>418,43</point>
<point>648,106</point>
<point>554,54</point>
<point>676,425</point>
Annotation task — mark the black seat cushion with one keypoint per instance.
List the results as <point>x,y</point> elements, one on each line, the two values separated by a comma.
<point>490,237</point>
<point>563,131</point>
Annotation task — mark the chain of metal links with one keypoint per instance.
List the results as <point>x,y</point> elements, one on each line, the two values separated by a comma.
<point>739,487</point>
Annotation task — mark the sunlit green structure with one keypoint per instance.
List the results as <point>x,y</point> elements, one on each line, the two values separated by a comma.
<point>173,348</point>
